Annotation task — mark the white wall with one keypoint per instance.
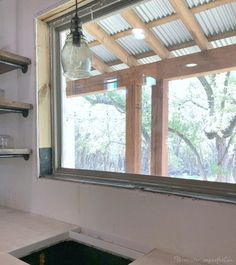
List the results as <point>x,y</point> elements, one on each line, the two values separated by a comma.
<point>182,226</point>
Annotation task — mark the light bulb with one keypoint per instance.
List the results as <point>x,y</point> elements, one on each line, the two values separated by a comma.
<point>190,64</point>
<point>76,59</point>
<point>138,33</point>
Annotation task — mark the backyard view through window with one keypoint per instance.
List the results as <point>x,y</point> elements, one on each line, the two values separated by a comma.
<point>201,128</point>
<point>109,127</point>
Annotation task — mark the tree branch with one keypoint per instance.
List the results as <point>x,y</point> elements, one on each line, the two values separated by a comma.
<point>195,103</point>
<point>225,90</point>
<point>227,149</point>
<point>209,93</point>
<point>106,101</point>
<point>210,135</point>
<point>229,130</point>
<point>193,148</point>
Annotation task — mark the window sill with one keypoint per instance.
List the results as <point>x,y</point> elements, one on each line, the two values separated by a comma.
<point>195,189</point>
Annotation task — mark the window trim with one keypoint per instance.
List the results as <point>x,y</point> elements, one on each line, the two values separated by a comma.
<point>213,191</point>
<point>203,190</point>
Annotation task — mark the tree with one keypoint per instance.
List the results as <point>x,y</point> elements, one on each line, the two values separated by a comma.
<point>205,120</point>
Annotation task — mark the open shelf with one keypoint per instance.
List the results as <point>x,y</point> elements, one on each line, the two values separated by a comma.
<point>7,106</point>
<point>9,153</point>
<point>10,61</point>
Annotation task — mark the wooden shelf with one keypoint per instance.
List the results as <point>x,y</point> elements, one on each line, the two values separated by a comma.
<point>7,106</point>
<point>10,61</point>
<point>9,153</point>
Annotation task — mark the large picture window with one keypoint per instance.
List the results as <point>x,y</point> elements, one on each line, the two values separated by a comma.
<point>145,119</point>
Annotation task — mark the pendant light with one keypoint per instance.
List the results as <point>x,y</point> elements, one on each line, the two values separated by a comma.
<point>76,57</point>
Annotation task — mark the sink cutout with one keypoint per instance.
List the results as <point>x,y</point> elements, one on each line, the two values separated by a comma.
<point>73,253</point>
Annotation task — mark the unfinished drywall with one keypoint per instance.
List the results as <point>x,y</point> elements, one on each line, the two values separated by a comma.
<point>193,228</point>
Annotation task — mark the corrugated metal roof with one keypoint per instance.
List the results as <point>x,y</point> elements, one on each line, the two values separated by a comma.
<point>224,42</point>
<point>88,36</point>
<point>218,20</point>
<point>118,67</point>
<point>185,51</point>
<point>172,33</point>
<point>213,21</point>
<point>132,45</point>
<point>114,24</point>
<point>193,3</point>
<point>154,9</point>
<point>150,59</point>
<point>103,53</point>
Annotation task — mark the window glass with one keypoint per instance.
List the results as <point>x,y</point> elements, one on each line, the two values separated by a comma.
<point>200,127</point>
<point>94,131</point>
<point>202,121</point>
<point>146,124</point>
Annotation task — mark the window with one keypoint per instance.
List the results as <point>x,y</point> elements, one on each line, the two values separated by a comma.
<point>133,127</point>
<point>201,128</point>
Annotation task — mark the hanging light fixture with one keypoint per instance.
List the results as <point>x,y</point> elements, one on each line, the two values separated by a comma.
<point>76,56</point>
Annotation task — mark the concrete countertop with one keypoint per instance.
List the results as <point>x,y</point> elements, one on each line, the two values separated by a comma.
<point>19,230</point>
<point>22,233</point>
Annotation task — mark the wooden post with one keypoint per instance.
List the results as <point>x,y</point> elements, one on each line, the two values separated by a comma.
<point>133,126</point>
<point>159,148</point>
<point>43,85</point>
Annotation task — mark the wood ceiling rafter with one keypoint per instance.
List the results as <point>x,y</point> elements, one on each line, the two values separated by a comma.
<point>107,41</point>
<point>191,24</point>
<point>99,65</point>
<point>131,17</point>
<point>167,19</point>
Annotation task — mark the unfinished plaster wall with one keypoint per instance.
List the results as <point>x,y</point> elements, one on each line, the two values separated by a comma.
<point>189,227</point>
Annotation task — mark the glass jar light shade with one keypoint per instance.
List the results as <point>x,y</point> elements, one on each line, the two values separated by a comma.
<point>76,59</point>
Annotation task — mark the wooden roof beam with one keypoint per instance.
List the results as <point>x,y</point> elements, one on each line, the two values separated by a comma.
<point>107,41</point>
<point>131,17</point>
<point>175,68</point>
<point>99,65</point>
<point>191,24</point>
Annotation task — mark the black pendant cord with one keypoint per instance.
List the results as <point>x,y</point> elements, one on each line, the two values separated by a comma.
<point>76,8</point>
<point>75,27</point>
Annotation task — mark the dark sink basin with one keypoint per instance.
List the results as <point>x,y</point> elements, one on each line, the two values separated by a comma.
<point>73,253</point>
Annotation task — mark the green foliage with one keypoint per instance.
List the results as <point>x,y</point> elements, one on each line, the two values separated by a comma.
<point>217,170</point>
